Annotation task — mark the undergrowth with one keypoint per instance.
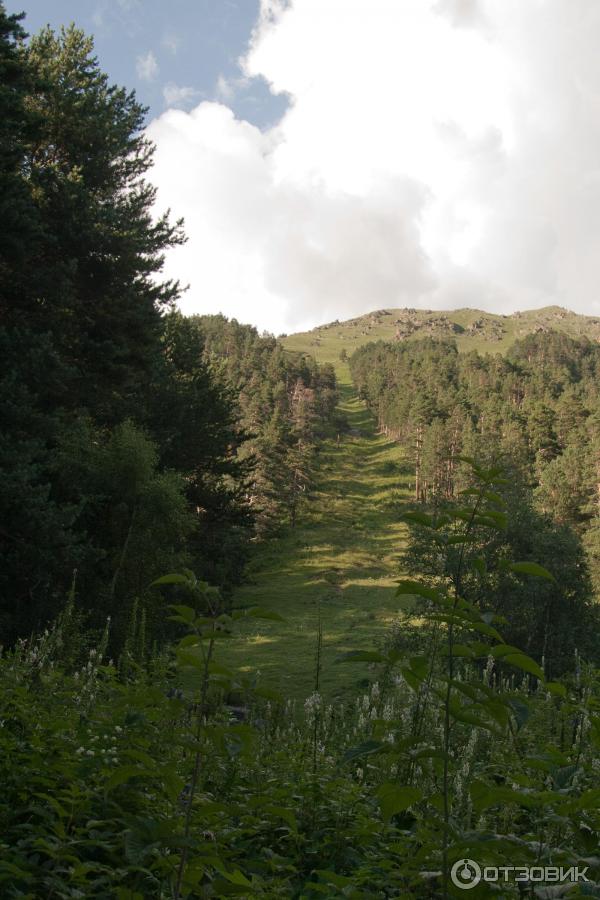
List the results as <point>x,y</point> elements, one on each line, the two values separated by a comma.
<point>165,774</point>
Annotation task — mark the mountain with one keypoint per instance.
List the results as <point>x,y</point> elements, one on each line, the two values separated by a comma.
<point>472,329</point>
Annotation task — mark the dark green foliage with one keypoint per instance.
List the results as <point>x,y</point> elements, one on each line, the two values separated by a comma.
<point>133,439</point>
<point>81,324</point>
<point>485,767</point>
<point>195,420</point>
<point>128,441</point>
<point>550,620</point>
<point>284,403</point>
<point>152,785</point>
<point>89,276</point>
<point>536,413</point>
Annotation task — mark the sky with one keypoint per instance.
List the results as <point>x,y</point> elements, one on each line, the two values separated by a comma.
<point>331,157</point>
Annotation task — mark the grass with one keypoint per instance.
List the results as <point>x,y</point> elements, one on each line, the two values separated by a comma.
<point>472,329</point>
<point>341,559</point>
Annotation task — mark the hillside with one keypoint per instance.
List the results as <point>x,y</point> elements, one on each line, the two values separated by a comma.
<point>344,553</point>
<point>472,329</point>
<point>339,562</point>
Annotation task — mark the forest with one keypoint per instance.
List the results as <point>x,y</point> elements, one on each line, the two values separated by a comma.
<point>155,466</point>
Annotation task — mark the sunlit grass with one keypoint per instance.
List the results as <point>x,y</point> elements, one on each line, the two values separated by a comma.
<point>342,557</point>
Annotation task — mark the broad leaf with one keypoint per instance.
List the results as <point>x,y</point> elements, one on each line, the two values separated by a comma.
<point>171,579</point>
<point>525,663</point>
<point>394,798</point>
<point>531,568</point>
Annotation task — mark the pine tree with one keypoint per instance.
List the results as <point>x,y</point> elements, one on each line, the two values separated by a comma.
<point>93,283</point>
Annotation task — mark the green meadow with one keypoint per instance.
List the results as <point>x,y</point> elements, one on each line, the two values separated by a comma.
<point>340,564</point>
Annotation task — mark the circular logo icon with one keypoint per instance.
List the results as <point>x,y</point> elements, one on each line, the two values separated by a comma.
<point>465,874</point>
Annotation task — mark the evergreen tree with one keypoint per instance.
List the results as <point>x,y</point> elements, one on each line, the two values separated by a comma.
<point>93,283</point>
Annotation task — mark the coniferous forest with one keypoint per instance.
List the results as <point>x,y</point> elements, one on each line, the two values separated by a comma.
<point>159,473</point>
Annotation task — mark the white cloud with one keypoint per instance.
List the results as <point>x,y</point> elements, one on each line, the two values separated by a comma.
<point>225,89</point>
<point>435,152</point>
<point>147,66</point>
<point>176,95</point>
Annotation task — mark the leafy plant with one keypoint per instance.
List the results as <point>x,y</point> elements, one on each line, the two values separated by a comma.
<point>465,684</point>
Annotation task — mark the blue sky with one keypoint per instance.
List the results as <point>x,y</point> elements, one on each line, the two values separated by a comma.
<point>174,54</point>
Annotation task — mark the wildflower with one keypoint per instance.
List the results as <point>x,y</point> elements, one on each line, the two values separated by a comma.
<point>311,705</point>
<point>488,669</point>
<point>313,702</point>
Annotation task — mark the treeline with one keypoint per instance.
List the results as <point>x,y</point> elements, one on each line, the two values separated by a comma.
<point>284,402</point>
<point>123,452</point>
<point>536,412</point>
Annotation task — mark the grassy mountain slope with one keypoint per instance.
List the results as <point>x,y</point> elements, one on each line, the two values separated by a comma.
<point>471,328</point>
<point>341,556</point>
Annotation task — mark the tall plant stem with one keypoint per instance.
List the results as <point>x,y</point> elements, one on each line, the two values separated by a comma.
<point>457,580</point>
<point>196,772</point>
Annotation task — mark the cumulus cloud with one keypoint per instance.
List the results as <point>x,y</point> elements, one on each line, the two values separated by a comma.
<point>147,66</point>
<point>434,153</point>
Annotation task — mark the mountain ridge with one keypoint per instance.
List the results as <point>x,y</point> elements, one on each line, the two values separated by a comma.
<point>473,329</point>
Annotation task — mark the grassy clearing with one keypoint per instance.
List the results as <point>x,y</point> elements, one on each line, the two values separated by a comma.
<point>342,557</point>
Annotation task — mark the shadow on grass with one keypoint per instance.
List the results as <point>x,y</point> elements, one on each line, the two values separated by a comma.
<point>342,558</point>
